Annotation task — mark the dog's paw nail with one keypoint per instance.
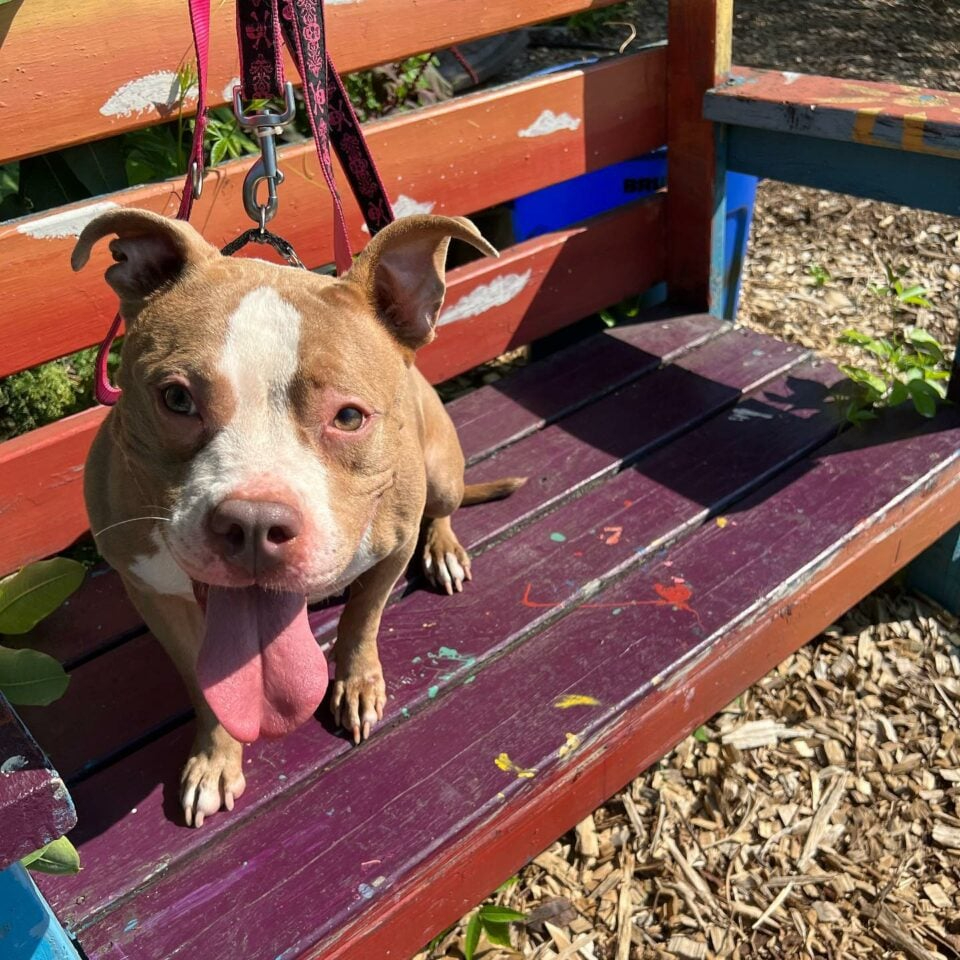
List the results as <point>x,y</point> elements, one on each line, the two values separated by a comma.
<point>366,730</point>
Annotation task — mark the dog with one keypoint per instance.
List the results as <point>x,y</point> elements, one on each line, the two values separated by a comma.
<point>273,445</point>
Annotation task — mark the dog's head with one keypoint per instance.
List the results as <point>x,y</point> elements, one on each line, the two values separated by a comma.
<point>266,403</point>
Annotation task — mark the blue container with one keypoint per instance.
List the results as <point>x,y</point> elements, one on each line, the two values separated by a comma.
<point>564,204</point>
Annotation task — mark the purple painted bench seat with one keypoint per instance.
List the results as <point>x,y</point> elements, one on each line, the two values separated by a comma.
<point>675,507</point>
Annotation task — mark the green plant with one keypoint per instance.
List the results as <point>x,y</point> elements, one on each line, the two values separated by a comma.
<point>590,22</point>
<point>909,365</point>
<point>621,312</point>
<point>31,678</point>
<point>819,275</point>
<point>492,920</point>
<point>895,288</point>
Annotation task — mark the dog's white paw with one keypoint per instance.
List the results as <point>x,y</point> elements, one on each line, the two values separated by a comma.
<point>358,700</point>
<point>445,563</point>
<point>211,780</point>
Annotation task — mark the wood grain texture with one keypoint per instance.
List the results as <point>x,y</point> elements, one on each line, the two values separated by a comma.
<point>432,644</point>
<point>698,58</point>
<point>918,180</point>
<point>41,501</point>
<point>35,807</point>
<point>618,109</point>
<point>893,115</point>
<point>73,64</point>
<point>448,790</point>
<point>80,730</point>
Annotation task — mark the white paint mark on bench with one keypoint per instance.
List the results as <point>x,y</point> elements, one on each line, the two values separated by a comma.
<point>11,764</point>
<point>339,2</point>
<point>158,90</point>
<point>485,297</point>
<point>405,206</point>
<point>66,224</point>
<point>549,122</point>
<point>790,77</point>
<point>228,89</point>
<point>743,414</point>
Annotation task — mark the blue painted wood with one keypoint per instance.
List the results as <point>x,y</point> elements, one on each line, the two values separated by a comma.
<point>28,928</point>
<point>936,572</point>
<point>912,179</point>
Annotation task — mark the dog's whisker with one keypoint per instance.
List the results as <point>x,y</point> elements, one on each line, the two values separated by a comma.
<point>120,523</point>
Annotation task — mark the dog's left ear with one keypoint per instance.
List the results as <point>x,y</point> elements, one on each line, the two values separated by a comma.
<point>402,271</point>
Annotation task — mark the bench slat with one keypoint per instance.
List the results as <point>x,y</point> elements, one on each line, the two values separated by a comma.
<point>41,501</point>
<point>567,458</point>
<point>100,68</point>
<point>894,115</point>
<point>52,311</point>
<point>35,807</point>
<point>445,788</point>
<point>421,624</point>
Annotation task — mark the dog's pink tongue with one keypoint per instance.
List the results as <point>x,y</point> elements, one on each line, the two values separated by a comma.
<point>260,667</point>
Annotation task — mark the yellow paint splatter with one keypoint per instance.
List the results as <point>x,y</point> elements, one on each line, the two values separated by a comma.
<point>573,741</point>
<point>504,762</point>
<point>722,522</point>
<point>576,700</point>
<point>501,796</point>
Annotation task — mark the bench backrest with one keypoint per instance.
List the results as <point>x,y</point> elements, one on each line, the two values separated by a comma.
<point>111,70</point>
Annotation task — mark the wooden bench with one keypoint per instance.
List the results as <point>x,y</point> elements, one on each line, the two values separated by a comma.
<point>694,512</point>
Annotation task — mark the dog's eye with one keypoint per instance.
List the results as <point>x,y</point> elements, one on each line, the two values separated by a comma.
<point>348,418</point>
<point>177,399</point>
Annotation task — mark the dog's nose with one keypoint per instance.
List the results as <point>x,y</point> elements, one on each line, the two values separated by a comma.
<point>255,535</point>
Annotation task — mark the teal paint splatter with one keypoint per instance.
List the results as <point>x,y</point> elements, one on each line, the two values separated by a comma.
<point>130,925</point>
<point>558,537</point>
<point>433,691</point>
<point>416,659</point>
<point>469,679</point>
<point>404,712</point>
<point>617,611</point>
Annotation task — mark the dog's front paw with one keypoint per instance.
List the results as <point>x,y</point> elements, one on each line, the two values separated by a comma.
<point>445,563</point>
<point>358,698</point>
<point>212,779</point>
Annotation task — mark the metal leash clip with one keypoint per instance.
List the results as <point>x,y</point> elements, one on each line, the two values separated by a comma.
<point>267,126</point>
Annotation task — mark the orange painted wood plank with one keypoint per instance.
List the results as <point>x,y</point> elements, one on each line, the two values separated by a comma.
<point>914,119</point>
<point>698,58</point>
<point>455,158</point>
<point>533,289</point>
<point>72,72</point>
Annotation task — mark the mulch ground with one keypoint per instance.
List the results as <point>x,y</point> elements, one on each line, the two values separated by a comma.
<point>819,814</point>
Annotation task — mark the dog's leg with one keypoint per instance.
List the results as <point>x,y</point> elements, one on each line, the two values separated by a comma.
<point>359,692</point>
<point>212,778</point>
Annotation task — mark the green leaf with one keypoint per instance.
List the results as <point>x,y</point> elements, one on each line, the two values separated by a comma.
<point>924,397</point>
<point>924,343</point>
<point>217,152</point>
<point>701,734</point>
<point>36,591</point>
<point>473,936</point>
<point>29,678</point>
<point>497,933</point>
<point>870,380</point>
<point>898,394</point>
<point>508,883</point>
<point>854,336</point>
<point>59,857</point>
<point>492,912</point>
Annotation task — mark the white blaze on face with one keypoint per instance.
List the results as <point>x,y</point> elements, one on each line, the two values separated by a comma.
<point>259,448</point>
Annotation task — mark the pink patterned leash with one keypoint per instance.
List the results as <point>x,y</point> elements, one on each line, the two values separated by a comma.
<point>103,390</point>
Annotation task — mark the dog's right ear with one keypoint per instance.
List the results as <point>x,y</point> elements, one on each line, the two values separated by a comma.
<point>151,251</point>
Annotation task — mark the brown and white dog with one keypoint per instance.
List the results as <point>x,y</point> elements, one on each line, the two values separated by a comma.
<point>273,445</point>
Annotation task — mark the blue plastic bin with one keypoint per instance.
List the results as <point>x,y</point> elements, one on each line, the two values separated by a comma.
<point>563,204</point>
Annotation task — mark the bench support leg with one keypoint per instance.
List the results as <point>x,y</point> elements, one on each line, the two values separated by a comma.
<point>936,571</point>
<point>28,928</point>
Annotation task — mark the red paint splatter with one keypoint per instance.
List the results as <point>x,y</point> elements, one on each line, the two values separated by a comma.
<point>676,596</point>
<point>611,535</point>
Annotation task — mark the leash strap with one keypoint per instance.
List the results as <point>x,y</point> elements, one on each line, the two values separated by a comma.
<point>103,390</point>
<point>256,235</point>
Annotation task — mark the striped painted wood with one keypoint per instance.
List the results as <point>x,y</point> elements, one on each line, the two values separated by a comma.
<point>912,119</point>
<point>41,501</point>
<point>698,57</point>
<point>480,623</point>
<point>570,455</point>
<point>70,73</point>
<point>35,807</point>
<point>51,311</point>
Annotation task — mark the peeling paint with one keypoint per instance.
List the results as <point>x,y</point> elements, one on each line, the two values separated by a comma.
<point>790,77</point>
<point>67,224</point>
<point>156,91</point>
<point>228,89</point>
<point>496,293</point>
<point>549,122</point>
